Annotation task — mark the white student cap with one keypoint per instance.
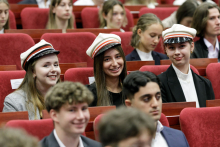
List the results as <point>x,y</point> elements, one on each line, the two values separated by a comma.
<point>40,49</point>
<point>102,43</point>
<point>178,33</point>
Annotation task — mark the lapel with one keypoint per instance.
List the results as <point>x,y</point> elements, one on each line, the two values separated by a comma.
<point>84,142</point>
<point>52,140</point>
<point>203,50</point>
<point>170,139</point>
<point>200,90</point>
<point>155,57</point>
<point>134,55</point>
<point>174,85</point>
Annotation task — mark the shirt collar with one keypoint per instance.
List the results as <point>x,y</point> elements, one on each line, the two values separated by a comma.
<point>144,53</point>
<point>208,44</point>
<point>159,127</point>
<point>2,31</point>
<point>182,76</point>
<point>60,142</point>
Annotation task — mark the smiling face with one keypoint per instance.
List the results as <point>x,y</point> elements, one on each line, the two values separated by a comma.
<point>113,63</point>
<point>148,99</point>
<point>213,23</point>
<point>179,53</point>
<point>4,14</point>
<point>115,18</point>
<point>47,71</point>
<point>150,37</point>
<point>71,119</point>
<point>63,11</point>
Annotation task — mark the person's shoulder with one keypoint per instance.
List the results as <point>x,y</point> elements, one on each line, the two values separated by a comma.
<point>16,94</point>
<point>92,86</point>
<point>201,78</point>
<point>172,131</point>
<point>90,142</point>
<point>161,55</point>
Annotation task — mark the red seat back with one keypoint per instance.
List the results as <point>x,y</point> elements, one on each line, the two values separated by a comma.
<point>156,69</point>
<point>201,126</point>
<point>161,12</point>
<point>12,22</point>
<point>212,73</point>
<point>79,74</point>
<point>5,83</point>
<point>38,128</point>
<point>12,46</point>
<point>90,18</point>
<point>72,46</point>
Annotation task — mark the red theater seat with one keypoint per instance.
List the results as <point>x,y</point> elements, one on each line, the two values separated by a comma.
<point>90,18</point>
<point>161,12</point>
<point>212,73</point>
<point>12,21</point>
<point>79,74</point>
<point>201,126</point>
<point>72,46</point>
<point>156,69</point>
<point>12,45</point>
<point>5,83</point>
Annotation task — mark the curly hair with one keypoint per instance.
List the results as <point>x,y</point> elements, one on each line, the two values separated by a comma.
<point>67,92</point>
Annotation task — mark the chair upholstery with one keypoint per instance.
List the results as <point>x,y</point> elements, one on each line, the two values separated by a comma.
<point>38,128</point>
<point>38,17</point>
<point>12,45</point>
<point>161,12</point>
<point>5,84</point>
<point>212,73</point>
<point>79,74</point>
<point>163,120</point>
<point>72,46</point>
<point>12,21</point>
<point>90,18</point>
<point>201,126</point>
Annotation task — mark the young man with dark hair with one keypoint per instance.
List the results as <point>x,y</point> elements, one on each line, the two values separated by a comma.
<point>143,92</point>
<point>126,127</point>
<point>67,103</point>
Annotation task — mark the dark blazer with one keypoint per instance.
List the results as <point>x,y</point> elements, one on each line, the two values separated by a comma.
<point>50,141</point>
<point>201,50</point>
<point>28,2</point>
<point>174,138</point>
<point>133,56</point>
<point>172,92</point>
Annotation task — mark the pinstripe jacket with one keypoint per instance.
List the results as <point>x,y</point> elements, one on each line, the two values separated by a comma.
<point>17,101</point>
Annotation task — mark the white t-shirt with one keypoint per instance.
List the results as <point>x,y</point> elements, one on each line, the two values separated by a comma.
<point>2,31</point>
<point>144,56</point>
<point>41,3</point>
<point>84,3</point>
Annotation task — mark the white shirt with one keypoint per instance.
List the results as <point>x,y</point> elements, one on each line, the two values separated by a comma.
<point>41,3</point>
<point>159,140</point>
<point>60,142</point>
<point>84,2</point>
<point>121,30</point>
<point>144,56</point>
<point>2,31</point>
<point>212,53</point>
<point>188,86</point>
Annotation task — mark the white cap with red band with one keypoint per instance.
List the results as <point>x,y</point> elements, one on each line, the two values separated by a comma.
<point>178,30</point>
<point>101,41</point>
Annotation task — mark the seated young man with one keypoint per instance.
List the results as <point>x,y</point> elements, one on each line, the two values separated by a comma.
<point>67,104</point>
<point>179,82</point>
<point>126,127</point>
<point>142,90</point>
<point>207,23</point>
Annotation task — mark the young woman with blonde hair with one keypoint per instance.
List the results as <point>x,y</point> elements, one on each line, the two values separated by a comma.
<point>42,72</point>
<point>112,15</point>
<point>146,36</point>
<point>60,15</point>
<point>4,15</point>
<point>109,70</point>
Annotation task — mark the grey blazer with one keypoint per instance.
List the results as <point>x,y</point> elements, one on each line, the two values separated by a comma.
<point>17,101</point>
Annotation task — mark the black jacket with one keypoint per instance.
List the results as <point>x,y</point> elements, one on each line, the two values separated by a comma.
<point>172,92</point>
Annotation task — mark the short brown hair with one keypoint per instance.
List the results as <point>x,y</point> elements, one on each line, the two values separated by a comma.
<point>200,18</point>
<point>67,92</point>
<point>123,123</point>
<point>14,137</point>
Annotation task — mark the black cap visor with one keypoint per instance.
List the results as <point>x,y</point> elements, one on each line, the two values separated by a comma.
<point>177,40</point>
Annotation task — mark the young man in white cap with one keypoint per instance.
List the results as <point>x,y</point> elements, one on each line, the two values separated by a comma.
<point>143,91</point>
<point>179,82</point>
<point>67,103</point>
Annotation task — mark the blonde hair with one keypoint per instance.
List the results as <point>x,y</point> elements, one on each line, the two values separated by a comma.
<point>6,26</point>
<point>139,2</point>
<point>108,8</point>
<point>51,24</point>
<point>143,23</point>
<point>34,96</point>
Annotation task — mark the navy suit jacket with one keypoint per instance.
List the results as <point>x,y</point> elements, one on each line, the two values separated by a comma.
<point>174,138</point>
<point>133,56</point>
<point>172,91</point>
<point>28,2</point>
<point>50,141</point>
